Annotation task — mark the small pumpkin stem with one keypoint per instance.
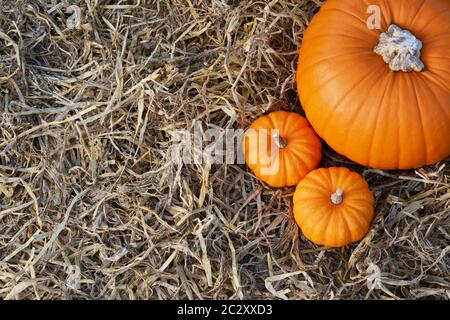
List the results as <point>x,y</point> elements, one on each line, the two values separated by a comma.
<point>337,197</point>
<point>280,142</point>
<point>400,49</point>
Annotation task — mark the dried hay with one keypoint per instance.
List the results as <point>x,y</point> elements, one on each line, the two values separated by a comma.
<point>92,207</point>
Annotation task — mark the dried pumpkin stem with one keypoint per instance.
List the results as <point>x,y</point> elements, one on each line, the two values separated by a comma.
<point>400,49</point>
<point>280,142</point>
<point>337,197</point>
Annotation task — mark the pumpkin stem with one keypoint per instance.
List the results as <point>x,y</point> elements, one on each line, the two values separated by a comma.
<point>400,49</point>
<point>337,197</point>
<point>280,142</point>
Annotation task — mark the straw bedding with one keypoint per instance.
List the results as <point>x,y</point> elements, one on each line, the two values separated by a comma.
<point>93,207</point>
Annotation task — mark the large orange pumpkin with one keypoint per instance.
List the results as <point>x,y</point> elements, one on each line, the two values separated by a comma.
<point>381,97</point>
<point>333,206</point>
<point>281,148</point>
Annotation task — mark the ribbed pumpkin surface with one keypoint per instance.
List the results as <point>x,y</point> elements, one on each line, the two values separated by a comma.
<point>326,223</point>
<point>362,109</point>
<point>286,166</point>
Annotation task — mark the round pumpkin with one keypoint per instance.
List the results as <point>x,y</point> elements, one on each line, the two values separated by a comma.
<point>281,148</point>
<point>381,97</point>
<point>333,206</point>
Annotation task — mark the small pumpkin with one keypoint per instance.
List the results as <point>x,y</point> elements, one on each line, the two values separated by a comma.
<point>333,206</point>
<point>380,96</point>
<point>281,148</point>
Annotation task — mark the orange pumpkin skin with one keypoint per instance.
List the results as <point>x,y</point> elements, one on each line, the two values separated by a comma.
<point>326,223</point>
<point>363,110</point>
<point>284,166</point>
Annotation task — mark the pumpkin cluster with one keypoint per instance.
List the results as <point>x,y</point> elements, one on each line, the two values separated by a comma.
<point>378,95</point>
<point>332,206</point>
